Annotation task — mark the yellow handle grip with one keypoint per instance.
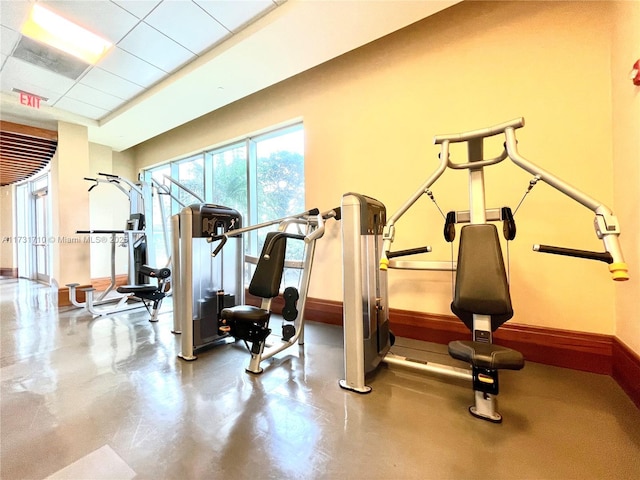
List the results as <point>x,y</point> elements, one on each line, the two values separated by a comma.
<point>384,263</point>
<point>619,271</point>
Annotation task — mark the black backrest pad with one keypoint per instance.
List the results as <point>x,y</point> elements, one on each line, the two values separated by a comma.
<point>265,282</point>
<point>481,279</point>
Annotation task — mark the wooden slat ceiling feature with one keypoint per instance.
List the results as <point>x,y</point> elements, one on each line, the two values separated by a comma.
<point>24,151</point>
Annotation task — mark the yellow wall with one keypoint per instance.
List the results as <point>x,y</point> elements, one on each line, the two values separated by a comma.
<point>70,204</point>
<point>370,116</point>
<point>626,154</point>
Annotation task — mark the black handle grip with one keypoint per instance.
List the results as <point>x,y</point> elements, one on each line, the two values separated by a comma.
<point>110,175</point>
<point>161,273</point>
<point>409,251</point>
<point>572,252</point>
<point>337,214</point>
<point>313,211</point>
<point>223,240</point>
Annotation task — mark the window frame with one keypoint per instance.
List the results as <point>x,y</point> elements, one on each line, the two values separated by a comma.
<point>251,167</point>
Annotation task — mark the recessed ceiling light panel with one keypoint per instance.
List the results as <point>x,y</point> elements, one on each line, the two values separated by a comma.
<point>49,58</point>
<point>45,26</point>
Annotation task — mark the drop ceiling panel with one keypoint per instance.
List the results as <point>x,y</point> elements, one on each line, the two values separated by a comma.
<point>235,14</point>
<point>130,67</point>
<point>13,14</point>
<point>187,24</point>
<point>109,83</point>
<point>99,16</point>
<point>139,8</point>
<point>8,39</point>
<point>150,45</point>
<point>94,97</point>
<point>28,77</point>
<point>81,108</point>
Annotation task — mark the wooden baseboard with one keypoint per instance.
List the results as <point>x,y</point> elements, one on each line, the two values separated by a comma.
<point>100,284</point>
<point>590,352</point>
<point>8,272</point>
<point>626,370</point>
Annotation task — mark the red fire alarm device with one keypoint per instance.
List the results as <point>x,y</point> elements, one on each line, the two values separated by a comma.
<point>635,73</point>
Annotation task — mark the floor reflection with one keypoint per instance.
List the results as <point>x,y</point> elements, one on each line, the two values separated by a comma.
<point>72,384</point>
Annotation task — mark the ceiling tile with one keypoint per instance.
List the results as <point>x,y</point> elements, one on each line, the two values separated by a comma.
<point>112,84</point>
<point>8,40</point>
<point>94,97</point>
<point>8,83</point>
<point>130,67</point>
<point>139,8</point>
<point>13,14</point>
<point>80,108</point>
<point>234,15</point>
<point>49,58</point>
<point>33,79</point>
<point>99,16</point>
<point>147,43</point>
<point>187,24</point>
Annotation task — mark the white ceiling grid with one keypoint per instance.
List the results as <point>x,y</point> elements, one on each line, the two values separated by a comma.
<point>152,39</point>
<point>176,60</point>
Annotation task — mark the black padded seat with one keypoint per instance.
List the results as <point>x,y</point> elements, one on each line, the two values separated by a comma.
<point>137,289</point>
<point>246,314</point>
<point>486,355</point>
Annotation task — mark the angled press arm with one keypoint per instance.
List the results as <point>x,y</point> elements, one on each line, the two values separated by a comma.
<point>606,223</point>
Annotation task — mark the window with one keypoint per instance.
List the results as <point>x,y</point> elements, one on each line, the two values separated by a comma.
<point>279,175</point>
<point>190,173</point>
<point>228,185</point>
<point>261,177</point>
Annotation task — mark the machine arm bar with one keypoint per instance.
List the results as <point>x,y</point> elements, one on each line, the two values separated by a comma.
<point>179,185</point>
<point>314,235</point>
<point>555,182</point>
<point>444,141</point>
<point>240,231</point>
<point>165,190</point>
<point>389,228</point>
<point>109,181</point>
<point>409,251</point>
<point>116,179</point>
<point>481,133</point>
<point>606,223</point>
<point>571,252</point>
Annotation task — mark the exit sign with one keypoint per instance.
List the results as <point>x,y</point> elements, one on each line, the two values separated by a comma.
<point>30,100</point>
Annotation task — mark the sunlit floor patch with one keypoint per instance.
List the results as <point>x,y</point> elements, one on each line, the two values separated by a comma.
<point>101,464</point>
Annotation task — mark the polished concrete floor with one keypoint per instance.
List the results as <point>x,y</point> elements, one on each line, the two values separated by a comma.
<point>101,398</point>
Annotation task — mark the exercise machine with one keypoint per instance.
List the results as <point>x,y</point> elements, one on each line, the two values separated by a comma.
<point>481,295</point>
<point>250,323</point>
<point>204,280</point>
<point>138,292</point>
<point>208,266</point>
